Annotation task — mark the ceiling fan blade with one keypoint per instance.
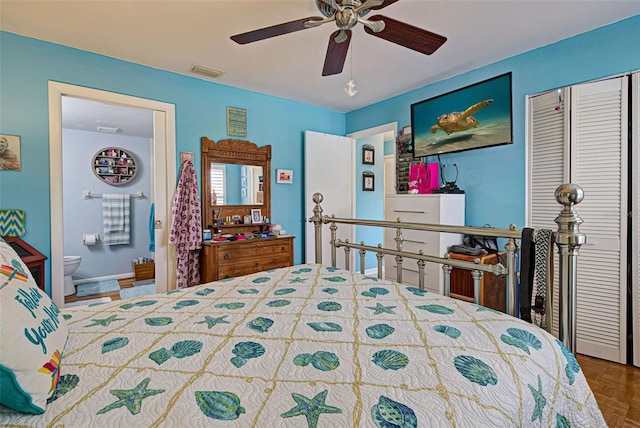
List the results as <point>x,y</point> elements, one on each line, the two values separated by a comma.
<point>406,35</point>
<point>336,54</point>
<point>274,30</point>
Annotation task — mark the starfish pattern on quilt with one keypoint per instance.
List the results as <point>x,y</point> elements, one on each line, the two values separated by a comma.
<point>211,322</point>
<point>104,322</point>
<point>379,308</point>
<point>297,280</point>
<point>540,400</point>
<point>311,408</point>
<point>131,398</point>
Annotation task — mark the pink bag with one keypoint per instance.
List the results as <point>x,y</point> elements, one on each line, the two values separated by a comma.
<point>423,178</point>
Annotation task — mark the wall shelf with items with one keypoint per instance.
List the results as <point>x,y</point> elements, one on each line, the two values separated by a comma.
<point>404,158</point>
<point>114,166</point>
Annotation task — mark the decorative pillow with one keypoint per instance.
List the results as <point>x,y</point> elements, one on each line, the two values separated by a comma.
<point>33,336</point>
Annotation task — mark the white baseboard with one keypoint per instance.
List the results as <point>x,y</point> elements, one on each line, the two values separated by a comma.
<point>103,278</point>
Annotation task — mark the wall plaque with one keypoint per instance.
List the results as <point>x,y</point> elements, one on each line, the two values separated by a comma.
<point>236,121</point>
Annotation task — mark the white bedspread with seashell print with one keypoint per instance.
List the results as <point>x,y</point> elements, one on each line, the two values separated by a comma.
<point>310,346</point>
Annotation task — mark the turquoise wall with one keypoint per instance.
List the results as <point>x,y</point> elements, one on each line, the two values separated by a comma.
<point>370,204</point>
<point>27,65</point>
<point>494,178</point>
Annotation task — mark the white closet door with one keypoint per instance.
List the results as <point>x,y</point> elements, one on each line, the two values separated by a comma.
<point>328,169</point>
<point>599,164</point>
<point>635,282</point>
<point>548,167</point>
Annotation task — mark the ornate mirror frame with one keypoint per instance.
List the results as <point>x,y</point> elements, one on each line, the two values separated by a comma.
<point>238,152</point>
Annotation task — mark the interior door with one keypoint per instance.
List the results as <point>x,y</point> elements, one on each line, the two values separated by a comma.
<point>328,166</point>
<point>599,164</point>
<point>579,134</point>
<point>164,156</point>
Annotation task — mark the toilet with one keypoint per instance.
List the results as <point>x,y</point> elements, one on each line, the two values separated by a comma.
<point>71,264</point>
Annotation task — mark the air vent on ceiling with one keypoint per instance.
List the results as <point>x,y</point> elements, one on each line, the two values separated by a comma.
<point>109,130</point>
<point>206,71</point>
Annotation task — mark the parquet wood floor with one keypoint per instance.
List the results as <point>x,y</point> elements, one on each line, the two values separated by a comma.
<point>616,388</point>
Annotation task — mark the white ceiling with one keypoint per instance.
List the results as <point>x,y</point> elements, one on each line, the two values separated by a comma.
<point>173,35</point>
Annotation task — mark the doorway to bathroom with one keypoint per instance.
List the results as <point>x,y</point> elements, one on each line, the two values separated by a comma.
<point>77,187</point>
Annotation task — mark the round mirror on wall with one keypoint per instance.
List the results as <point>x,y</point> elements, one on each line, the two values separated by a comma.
<point>114,166</point>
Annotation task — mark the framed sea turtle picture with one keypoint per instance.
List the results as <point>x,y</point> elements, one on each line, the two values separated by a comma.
<point>472,117</point>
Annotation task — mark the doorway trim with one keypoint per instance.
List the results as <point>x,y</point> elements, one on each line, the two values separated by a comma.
<point>164,155</point>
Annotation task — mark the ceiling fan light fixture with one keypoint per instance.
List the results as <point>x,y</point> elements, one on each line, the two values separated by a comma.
<point>206,71</point>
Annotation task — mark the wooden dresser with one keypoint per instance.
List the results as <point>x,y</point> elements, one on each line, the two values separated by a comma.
<point>230,259</point>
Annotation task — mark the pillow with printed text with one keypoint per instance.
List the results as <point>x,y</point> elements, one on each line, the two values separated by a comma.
<point>33,336</point>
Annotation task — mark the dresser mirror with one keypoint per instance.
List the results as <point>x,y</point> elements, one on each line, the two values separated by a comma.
<point>236,178</point>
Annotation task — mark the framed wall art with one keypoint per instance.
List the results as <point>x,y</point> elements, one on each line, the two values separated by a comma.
<point>10,153</point>
<point>368,155</point>
<point>472,117</point>
<point>236,121</point>
<point>368,181</point>
<point>284,176</point>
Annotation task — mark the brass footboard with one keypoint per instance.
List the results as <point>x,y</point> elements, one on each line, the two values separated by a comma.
<point>568,239</point>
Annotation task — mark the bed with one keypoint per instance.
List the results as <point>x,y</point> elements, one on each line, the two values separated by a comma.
<point>310,345</point>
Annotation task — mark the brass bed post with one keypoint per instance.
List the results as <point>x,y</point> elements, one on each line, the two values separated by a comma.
<point>447,277</point>
<point>477,276</point>
<point>380,257</point>
<point>333,229</point>
<point>421,264</point>
<point>363,253</point>
<point>347,256</point>
<point>568,239</point>
<point>398,240</point>
<point>511,247</point>
<point>317,224</point>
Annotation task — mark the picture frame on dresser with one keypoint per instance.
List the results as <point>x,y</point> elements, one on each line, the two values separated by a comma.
<point>256,216</point>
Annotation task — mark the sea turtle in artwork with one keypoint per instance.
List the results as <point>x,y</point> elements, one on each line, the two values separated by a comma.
<point>456,121</point>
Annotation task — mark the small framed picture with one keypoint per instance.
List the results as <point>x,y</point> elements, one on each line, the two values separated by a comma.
<point>284,176</point>
<point>256,216</point>
<point>243,181</point>
<point>368,155</point>
<point>243,171</point>
<point>368,182</point>
<point>243,192</point>
<point>184,156</point>
<point>10,153</point>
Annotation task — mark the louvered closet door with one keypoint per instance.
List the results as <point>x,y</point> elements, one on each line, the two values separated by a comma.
<point>599,165</point>
<point>549,166</point>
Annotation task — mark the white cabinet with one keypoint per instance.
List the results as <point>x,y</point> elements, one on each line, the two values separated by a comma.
<point>433,209</point>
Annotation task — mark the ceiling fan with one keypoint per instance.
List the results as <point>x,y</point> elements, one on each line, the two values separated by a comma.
<point>346,14</point>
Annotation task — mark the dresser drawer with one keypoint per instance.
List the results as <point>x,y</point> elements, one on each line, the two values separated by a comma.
<point>235,269</point>
<point>415,240</point>
<point>237,258</point>
<point>232,270</point>
<point>414,214</point>
<point>252,250</point>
